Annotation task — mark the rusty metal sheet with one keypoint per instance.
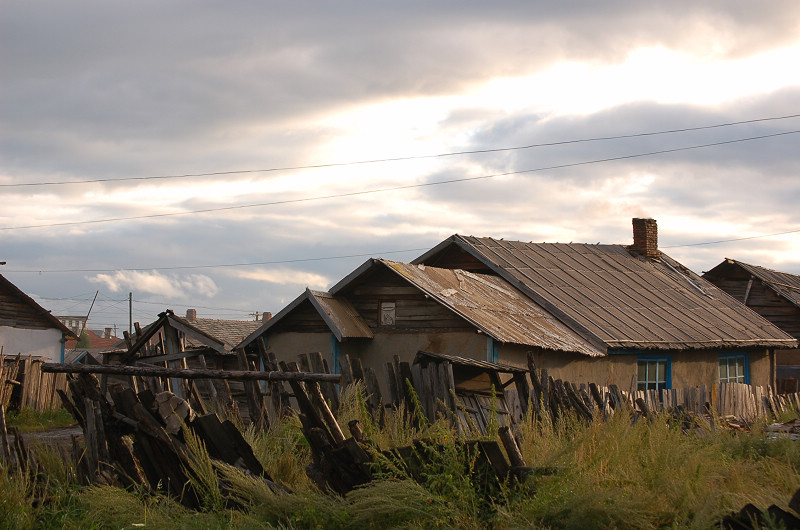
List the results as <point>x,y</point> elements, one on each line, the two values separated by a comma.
<point>494,306</point>
<point>340,315</point>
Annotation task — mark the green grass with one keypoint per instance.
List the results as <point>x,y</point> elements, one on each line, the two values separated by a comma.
<point>611,474</point>
<point>29,420</point>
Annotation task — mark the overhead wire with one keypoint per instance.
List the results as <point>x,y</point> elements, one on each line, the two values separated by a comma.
<point>403,158</point>
<point>405,186</point>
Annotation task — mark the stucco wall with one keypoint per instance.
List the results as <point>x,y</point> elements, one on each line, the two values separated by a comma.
<point>374,353</point>
<point>689,369</point>
<point>37,342</point>
<point>287,346</point>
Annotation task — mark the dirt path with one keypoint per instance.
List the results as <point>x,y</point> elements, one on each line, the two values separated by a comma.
<point>56,437</point>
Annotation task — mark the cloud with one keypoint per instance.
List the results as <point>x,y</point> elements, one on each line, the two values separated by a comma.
<point>285,276</point>
<point>154,282</point>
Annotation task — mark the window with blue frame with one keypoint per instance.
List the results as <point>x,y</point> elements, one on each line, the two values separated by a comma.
<point>654,373</point>
<point>734,368</point>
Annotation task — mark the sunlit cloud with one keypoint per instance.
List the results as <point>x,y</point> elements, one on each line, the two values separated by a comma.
<point>285,276</point>
<point>153,282</point>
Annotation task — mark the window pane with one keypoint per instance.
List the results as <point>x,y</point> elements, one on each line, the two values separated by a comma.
<point>652,375</point>
<point>733,369</point>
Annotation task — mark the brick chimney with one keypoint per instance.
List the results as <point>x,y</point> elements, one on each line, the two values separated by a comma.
<point>191,315</point>
<point>266,316</point>
<point>645,237</point>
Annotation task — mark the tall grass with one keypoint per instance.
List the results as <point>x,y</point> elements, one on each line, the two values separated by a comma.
<point>615,474</point>
<point>607,474</point>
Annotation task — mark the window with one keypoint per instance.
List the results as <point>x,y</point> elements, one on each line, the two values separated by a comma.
<point>387,313</point>
<point>733,368</point>
<point>654,374</point>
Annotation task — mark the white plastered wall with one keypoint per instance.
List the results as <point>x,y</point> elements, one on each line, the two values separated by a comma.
<point>37,342</point>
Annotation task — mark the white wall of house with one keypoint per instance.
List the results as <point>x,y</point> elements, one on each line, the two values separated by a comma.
<point>37,342</point>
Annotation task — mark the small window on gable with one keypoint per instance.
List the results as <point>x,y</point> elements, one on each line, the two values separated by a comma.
<point>733,368</point>
<point>387,314</point>
<point>653,374</point>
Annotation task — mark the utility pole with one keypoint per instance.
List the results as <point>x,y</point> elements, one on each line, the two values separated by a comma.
<point>130,314</point>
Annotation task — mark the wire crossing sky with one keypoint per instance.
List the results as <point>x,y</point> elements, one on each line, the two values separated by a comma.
<point>227,166</point>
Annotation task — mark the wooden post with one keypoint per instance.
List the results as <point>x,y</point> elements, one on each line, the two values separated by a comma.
<point>4,436</point>
<point>327,416</point>
<point>514,454</point>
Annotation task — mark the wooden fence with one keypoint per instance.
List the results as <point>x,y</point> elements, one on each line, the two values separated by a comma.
<point>743,401</point>
<point>24,385</point>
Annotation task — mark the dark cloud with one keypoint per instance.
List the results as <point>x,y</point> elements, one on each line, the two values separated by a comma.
<point>107,90</point>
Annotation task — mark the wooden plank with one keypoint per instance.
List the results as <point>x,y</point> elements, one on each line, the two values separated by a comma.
<point>374,398</point>
<point>511,447</point>
<point>347,371</point>
<point>357,368</point>
<point>391,379</point>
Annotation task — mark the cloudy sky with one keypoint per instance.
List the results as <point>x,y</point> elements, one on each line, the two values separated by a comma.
<point>225,155</point>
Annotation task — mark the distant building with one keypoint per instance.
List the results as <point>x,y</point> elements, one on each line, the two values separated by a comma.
<point>75,323</point>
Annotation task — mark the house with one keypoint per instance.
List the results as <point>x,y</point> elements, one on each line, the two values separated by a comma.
<point>28,328</point>
<point>611,314</point>
<point>773,295</point>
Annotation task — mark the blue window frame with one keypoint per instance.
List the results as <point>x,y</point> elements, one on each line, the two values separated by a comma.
<point>336,368</point>
<point>492,350</point>
<point>734,368</point>
<point>653,373</point>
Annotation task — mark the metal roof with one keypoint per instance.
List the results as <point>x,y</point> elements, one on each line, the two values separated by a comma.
<point>494,306</point>
<point>610,296</point>
<point>784,284</point>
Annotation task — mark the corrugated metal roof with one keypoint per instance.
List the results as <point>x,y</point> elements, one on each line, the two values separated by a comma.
<point>784,284</point>
<point>342,317</point>
<point>627,302</point>
<point>494,306</point>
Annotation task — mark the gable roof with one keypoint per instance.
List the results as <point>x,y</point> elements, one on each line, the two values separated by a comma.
<point>229,332</point>
<point>96,342</point>
<point>168,318</point>
<point>494,306</point>
<point>338,314</point>
<point>18,310</point>
<point>616,299</point>
<point>784,284</point>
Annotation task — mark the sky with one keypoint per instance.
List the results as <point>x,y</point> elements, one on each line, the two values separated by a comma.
<point>224,156</point>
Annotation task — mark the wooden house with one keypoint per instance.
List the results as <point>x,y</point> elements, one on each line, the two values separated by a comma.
<point>609,314</point>
<point>27,328</point>
<point>773,295</point>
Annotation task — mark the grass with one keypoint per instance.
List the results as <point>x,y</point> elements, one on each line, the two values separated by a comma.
<point>29,420</point>
<point>609,474</point>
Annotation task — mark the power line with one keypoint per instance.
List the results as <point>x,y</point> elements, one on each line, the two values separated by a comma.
<point>220,265</point>
<point>324,258</point>
<point>404,187</point>
<point>733,239</point>
<point>400,159</point>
